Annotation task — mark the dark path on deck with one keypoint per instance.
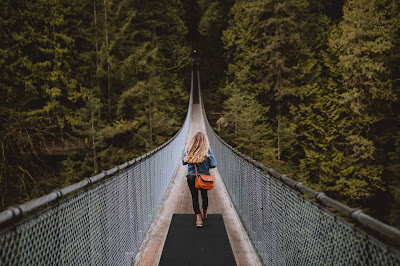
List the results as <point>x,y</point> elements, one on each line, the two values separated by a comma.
<point>188,245</point>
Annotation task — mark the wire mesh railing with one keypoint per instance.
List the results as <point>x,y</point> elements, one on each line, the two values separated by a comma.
<point>104,224</point>
<point>286,228</point>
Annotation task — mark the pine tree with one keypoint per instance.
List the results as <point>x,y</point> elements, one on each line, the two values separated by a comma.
<point>40,92</point>
<point>66,66</point>
<point>267,54</point>
<point>244,124</point>
<point>363,46</point>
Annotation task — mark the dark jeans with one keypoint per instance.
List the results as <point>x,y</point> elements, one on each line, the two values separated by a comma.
<point>195,195</point>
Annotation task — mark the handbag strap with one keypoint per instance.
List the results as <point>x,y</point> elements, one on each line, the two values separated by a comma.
<point>195,169</point>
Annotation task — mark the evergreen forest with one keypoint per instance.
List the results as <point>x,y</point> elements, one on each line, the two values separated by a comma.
<point>310,88</point>
<point>85,86</point>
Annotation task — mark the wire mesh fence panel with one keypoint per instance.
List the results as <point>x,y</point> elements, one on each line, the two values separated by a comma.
<point>104,224</point>
<point>285,227</point>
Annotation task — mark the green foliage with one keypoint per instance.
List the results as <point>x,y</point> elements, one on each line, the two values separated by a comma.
<point>243,123</point>
<point>363,46</point>
<point>326,78</point>
<point>268,58</point>
<point>102,73</point>
<point>309,87</point>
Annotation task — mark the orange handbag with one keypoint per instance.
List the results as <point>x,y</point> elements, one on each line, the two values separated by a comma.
<point>203,181</point>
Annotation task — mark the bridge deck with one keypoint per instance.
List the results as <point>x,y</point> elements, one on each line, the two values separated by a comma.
<point>178,201</point>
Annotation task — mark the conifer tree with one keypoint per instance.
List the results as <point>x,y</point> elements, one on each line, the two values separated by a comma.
<point>41,92</point>
<point>267,51</point>
<point>66,66</point>
<point>363,48</point>
<point>245,123</point>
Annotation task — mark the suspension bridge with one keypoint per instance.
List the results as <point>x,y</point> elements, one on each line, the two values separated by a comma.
<point>126,216</point>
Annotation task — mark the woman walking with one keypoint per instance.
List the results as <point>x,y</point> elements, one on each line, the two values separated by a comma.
<point>198,153</point>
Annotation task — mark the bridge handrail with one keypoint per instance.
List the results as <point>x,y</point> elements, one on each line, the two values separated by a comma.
<point>15,213</point>
<point>355,214</point>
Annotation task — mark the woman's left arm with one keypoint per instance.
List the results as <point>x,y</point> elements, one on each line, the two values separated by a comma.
<point>213,161</point>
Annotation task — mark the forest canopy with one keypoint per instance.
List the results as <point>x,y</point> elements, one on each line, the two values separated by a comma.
<point>307,87</point>
<point>85,85</point>
<point>311,89</point>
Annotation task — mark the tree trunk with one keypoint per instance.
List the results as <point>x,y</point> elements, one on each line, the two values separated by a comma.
<point>150,122</point>
<point>279,141</point>
<point>96,38</point>
<point>108,62</point>
<point>251,143</point>
<point>95,164</point>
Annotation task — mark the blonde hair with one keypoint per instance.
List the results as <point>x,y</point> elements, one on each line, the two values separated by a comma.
<point>198,149</point>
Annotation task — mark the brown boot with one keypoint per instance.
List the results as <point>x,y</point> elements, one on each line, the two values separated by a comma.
<point>199,222</point>
<point>204,214</point>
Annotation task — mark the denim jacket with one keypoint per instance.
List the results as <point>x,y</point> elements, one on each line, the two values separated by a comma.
<point>203,167</point>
